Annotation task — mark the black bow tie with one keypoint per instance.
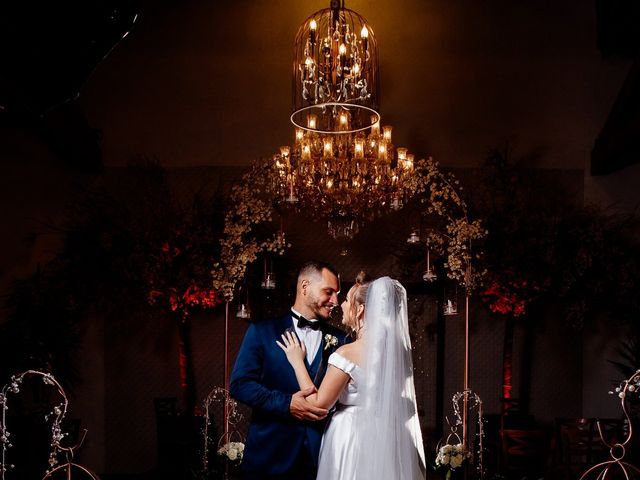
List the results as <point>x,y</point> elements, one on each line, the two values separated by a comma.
<point>303,322</point>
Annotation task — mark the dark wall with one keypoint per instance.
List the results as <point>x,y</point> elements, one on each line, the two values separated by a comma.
<point>207,83</point>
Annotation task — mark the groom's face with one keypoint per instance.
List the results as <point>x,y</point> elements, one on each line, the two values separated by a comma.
<point>322,294</point>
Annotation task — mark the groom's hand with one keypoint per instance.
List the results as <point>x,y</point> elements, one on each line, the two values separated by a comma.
<point>303,410</point>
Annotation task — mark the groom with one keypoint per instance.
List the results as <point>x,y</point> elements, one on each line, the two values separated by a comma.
<point>284,436</point>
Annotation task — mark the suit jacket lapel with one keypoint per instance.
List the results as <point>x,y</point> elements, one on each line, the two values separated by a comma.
<point>326,352</point>
<point>284,323</point>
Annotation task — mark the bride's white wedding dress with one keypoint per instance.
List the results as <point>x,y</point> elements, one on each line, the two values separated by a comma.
<point>374,433</point>
<point>336,453</point>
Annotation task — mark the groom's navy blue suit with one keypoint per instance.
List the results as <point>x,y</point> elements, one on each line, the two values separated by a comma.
<point>263,379</point>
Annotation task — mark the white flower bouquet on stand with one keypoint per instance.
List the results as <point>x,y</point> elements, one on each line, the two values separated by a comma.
<point>451,456</point>
<point>232,451</point>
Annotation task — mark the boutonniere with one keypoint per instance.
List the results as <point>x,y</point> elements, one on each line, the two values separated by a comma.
<point>330,341</point>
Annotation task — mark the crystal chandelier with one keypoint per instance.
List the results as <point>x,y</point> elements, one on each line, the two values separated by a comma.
<point>342,165</point>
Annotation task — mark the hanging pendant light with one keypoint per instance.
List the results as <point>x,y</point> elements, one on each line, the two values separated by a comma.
<point>244,310</point>
<point>451,303</point>
<point>342,163</point>
<point>429,274</point>
<point>450,308</point>
<point>414,237</point>
<point>268,276</point>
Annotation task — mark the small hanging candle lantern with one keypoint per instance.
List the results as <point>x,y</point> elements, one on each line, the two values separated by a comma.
<point>450,308</point>
<point>414,237</point>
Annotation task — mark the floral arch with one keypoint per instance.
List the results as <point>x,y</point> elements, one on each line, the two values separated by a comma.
<point>249,231</point>
<point>254,200</point>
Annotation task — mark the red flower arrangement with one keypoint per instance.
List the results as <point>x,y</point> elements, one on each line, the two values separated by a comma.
<point>194,297</point>
<point>510,298</point>
<point>174,282</point>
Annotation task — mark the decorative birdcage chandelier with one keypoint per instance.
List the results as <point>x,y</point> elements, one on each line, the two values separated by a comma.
<point>342,165</point>
<point>335,72</point>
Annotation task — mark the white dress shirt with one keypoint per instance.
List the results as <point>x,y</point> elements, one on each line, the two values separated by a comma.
<point>311,338</point>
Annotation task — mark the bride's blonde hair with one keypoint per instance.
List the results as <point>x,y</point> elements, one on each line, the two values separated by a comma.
<point>359,296</point>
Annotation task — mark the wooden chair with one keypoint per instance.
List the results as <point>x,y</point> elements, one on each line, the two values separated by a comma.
<point>578,445</point>
<point>525,453</point>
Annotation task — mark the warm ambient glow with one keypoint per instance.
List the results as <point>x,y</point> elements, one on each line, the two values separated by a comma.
<point>312,121</point>
<point>341,161</point>
<point>335,63</point>
<point>351,176</point>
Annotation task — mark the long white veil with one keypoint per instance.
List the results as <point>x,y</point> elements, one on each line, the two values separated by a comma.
<point>388,438</point>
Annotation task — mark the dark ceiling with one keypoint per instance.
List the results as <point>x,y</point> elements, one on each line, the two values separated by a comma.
<point>48,50</point>
<point>457,78</point>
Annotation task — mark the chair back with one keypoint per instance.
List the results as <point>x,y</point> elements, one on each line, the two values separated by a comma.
<point>525,452</point>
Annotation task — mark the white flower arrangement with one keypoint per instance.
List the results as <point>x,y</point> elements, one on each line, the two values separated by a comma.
<point>330,341</point>
<point>252,204</point>
<point>233,451</point>
<point>451,456</point>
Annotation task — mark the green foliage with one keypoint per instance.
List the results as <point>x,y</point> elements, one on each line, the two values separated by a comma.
<point>629,353</point>
<point>544,244</point>
<point>43,328</point>
<point>132,246</point>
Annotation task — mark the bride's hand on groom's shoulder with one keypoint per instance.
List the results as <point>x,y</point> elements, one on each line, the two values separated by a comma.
<point>294,348</point>
<point>301,409</point>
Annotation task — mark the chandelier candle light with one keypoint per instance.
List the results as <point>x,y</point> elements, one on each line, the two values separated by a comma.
<point>341,162</point>
<point>335,72</point>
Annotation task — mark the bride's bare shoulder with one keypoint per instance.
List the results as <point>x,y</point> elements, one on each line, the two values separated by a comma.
<point>351,351</point>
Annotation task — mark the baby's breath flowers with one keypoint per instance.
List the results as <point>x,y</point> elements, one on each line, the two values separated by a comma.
<point>252,204</point>
<point>55,418</point>
<point>440,192</point>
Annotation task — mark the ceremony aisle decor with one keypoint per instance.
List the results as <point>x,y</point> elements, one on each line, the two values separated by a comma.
<point>454,452</point>
<point>629,388</point>
<point>230,446</point>
<point>57,435</point>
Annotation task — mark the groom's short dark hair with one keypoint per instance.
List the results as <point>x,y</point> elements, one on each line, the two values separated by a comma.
<point>316,267</point>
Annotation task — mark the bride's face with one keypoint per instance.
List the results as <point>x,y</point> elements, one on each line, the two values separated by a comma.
<point>349,310</point>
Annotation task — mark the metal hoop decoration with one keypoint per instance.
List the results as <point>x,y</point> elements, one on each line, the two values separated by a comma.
<point>298,118</point>
<point>233,417</point>
<point>617,450</point>
<point>453,434</point>
<point>86,473</point>
<point>58,413</point>
<point>471,401</point>
<point>233,436</point>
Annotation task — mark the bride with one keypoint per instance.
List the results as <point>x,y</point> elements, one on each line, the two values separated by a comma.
<point>374,432</point>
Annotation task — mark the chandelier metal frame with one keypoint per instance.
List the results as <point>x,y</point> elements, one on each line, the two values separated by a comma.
<point>341,163</point>
<point>335,70</point>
